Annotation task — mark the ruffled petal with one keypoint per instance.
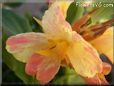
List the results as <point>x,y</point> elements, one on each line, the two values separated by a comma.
<point>22,46</point>
<point>45,68</point>
<point>96,80</point>
<point>106,68</point>
<point>54,22</point>
<point>104,43</point>
<point>99,79</point>
<point>84,58</point>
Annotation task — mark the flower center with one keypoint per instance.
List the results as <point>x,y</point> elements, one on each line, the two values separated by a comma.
<point>61,48</point>
<point>58,49</point>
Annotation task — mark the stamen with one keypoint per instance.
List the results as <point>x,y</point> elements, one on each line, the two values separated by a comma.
<point>53,47</point>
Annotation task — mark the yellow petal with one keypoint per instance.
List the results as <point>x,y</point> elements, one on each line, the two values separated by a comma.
<point>54,22</point>
<point>104,43</point>
<point>64,4</point>
<point>22,46</point>
<point>84,58</point>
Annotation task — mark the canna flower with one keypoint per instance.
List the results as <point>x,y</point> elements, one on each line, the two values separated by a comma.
<point>45,52</point>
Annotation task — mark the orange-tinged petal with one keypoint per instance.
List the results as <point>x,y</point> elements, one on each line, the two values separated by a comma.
<point>99,79</point>
<point>104,43</point>
<point>54,22</point>
<point>84,58</point>
<point>45,68</point>
<point>96,80</point>
<point>23,45</point>
<point>106,68</point>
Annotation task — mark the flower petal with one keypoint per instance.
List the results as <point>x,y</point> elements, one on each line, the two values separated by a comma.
<point>45,68</point>
<point>64,6</point>
<point>96,80</point>
<point>99,79</point>
<point>104,43</point>
<point>106,68</point>
<point>23,45</point>
<point>84,58</point>
<point>54,22</point>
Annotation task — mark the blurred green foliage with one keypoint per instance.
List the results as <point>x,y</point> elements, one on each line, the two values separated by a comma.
<point>14,24</point>
<point>12,5</point>
<point>74,13</point>
<point>103,13</point>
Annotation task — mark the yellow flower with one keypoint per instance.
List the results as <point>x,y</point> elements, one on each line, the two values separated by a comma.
<point>43,53</point>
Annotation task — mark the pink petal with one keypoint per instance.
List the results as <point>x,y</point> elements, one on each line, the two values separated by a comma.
<point>33,62</point>
<point>22,46</point>
<point>47,75</point>
<point>45,68</point>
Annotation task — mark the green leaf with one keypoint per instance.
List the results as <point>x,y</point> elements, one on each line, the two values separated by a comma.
<point>74,13</point>
<point>103,13</point>
<point>12,5</point>
<point>16,66</point>
<point>14,24</point>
